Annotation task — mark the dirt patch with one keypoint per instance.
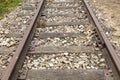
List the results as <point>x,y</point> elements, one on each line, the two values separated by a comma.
<point>108,13</point>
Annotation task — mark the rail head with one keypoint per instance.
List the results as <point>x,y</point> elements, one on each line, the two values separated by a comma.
<point>109,50</point>
<point>11,73</point>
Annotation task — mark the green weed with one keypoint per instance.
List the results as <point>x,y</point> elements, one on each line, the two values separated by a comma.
<point>7,5</point>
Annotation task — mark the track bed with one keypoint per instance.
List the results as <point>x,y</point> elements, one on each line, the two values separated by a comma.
<point>62,43</point>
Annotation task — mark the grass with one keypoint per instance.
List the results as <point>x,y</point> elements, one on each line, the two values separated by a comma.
<point>7,6</point>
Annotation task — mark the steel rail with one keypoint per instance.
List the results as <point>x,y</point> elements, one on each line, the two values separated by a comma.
<point>109,52</point>
<point>11,73</point>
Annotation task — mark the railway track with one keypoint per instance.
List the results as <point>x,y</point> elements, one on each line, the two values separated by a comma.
<point>63,42</point>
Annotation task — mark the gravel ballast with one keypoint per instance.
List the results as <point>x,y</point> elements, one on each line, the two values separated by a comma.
<point>65,60</point>
<point>16,21</point>
<point>107,12</point>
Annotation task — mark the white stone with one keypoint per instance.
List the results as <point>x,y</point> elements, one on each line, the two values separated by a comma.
<point>51,64</point>
<point>52,60</point>
<point>102,60</point>
<point>66,53</point>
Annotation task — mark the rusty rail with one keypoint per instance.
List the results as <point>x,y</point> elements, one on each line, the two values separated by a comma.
<point>109,53</point>
<point>11,73</point>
